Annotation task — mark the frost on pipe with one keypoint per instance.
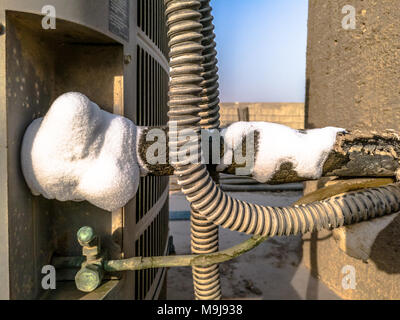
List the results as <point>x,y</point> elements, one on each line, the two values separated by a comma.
<point>277,144</point>
<point>79,152</point>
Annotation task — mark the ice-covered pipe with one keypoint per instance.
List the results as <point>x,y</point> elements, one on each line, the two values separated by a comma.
<point>79,152</point>
<point>305,151</point>
<point>283,151</point>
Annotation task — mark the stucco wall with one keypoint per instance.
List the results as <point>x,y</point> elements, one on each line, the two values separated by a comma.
<point>353,81</point>
<point>353,76</point>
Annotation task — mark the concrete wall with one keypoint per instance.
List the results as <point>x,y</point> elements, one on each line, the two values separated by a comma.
<point>353,75</point>
<point>289,114</point>
<point>353,79</point>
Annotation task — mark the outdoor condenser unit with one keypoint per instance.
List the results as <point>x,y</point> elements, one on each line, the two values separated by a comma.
<point>115,52</point>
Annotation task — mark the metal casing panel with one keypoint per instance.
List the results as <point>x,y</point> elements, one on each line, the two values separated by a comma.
<point>37,65</point>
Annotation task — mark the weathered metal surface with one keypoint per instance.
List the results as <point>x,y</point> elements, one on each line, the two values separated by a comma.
<point>27,96</point>
<point>67,291</point>
<point>89,278</point>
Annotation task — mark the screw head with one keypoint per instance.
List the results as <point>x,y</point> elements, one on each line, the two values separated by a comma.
<point>88,279</point>
<point>85,235</point>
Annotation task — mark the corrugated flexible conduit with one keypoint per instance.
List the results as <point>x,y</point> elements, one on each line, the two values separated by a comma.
<point>204,234</point>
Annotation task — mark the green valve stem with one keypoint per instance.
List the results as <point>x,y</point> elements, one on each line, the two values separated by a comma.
<point>85,236</point>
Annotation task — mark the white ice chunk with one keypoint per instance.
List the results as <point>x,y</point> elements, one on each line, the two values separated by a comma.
<point>79,152</point>
<point>278,144</point>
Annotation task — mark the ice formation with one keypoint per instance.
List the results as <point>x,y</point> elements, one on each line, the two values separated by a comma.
<point>79,152</point>
<point>306,151</point>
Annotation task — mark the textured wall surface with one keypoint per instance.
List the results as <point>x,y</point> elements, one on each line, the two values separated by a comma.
<point>353,76</point>
<point>377,278</point>
<point>289,114</point>
<point>353,81</point>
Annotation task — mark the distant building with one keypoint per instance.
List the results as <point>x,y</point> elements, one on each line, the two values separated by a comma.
<point>289,114</point>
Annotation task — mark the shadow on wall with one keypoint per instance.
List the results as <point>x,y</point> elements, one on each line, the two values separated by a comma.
<point>385,250</point>
<point>312,287</point>
<point>375,257</point>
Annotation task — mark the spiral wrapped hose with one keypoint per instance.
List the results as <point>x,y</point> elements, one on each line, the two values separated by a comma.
<point>335,212</point>
<point>207,200</point>
<point>186,60</point>
<point>210,95</point>
<point>204,234</point>
<point>206,280</point>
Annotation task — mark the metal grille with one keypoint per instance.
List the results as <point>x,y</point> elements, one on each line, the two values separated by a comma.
<point>152,209</point>
<point>152,91</point>
<point>152,97</point>
<point>150,190</point>
<point>151,20</point>
<point>151,243</point>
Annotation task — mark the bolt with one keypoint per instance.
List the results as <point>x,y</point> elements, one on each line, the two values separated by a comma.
<point>89,278</point>
<point>85,235</point>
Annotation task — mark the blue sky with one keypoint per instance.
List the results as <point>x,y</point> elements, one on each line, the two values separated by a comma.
<point>261,49</point>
